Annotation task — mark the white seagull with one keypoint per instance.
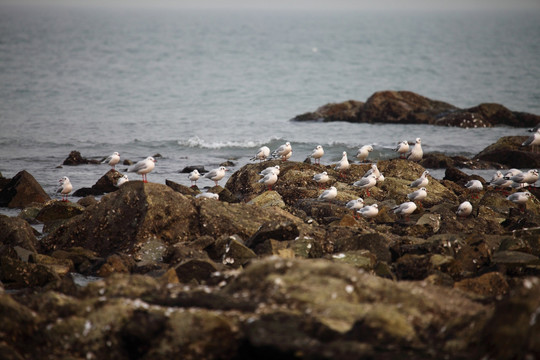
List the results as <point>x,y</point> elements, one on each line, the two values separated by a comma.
<point>262,154</point>
<point>269,179</point>
<point>268,170</point>
<point>363,152</point>
<point>407,208</point>
<point>369,212</point>
<point>464,209</point>
<point>194,176</point>
<point>366,183</point>
<point>317,154</point>
<point>402,148</point>
<point>422,181</point>
<point>529,177</point>
<point>112,160</point>
<point>329,194</point>
<point>416,152</point>
<point>533,140</point>
<point>283,151</point>
<point>355,204</point>
<point>343,164</point>
<point>374,170</point>
<point>321,178</point>
<point>216,174</point>
<point>143,167</point>
<point>418,195</point>
<point>520,198</point>
<point>122,180</point>
<point>65,188</point>
<point>207,195</point>
<point>474,186</point>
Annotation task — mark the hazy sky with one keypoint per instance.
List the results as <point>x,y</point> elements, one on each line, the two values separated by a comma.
<point>305,4</point>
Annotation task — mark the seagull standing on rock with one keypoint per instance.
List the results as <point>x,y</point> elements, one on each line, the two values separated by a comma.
<point>216,174</point>
<point>143,167</point>
<point>418,195</point>
<point>355,204</point>
<point>317,154</point>
<point>268,170</point>
<point>402,148</point>
<point>193,177</point>
<point>65,188</point>
<point>366,183</point>
<point>269,179</point>
<point>321,178</point>
<point>369,212</point>
<point>474,186</point>
<point>122,180</point>
<point>262,154</point>
<point>520,198</point>
<point>422,181</point>
<point>533,140</point>
<point>343,164</point>
<point>416,153</point>
<point>464,209</point>
<point>283,151</point>
<point>529,177</point>
<point>405,209</point>
<point>112,160</point>
<point>363,152</point>
<point>329,194</point>
<point>374,170</point>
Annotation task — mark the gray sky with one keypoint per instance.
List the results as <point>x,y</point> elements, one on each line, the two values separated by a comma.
<point>305,4</point>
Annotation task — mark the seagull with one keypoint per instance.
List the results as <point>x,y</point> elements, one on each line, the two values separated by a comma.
<point>329,194</point>
<point>363,152</point>
<point>268,170</point>
<point>283,151</point>
<point>374,170</point>
<point>422,181</point>
<point>407,208</point>
<point>533,140</point>
<point>207,195</point>
<point>287,157</point>
<point>418,195</point>
<point>416,152</point>
<point>65,188</point>
<point>143,167</point>
<point>321,178</point>
<point>269,180</point>
<point>402,148</point>
<point>369,212</point>
<point>193,177</point>
<point>474,186</point>
<point>122,180</point>
<point>317,154</point>
<point>529,177</point>
<point>356,204</point>
<point>112,159</point>
<point>520,198</point>
<point>366,183</point>
<point>495,177</point>
<point>343,164</point>
<point>216,174</point>
<point>464,209</point>
<point>262,154</point>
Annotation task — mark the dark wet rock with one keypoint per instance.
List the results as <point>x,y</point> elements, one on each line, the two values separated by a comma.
<point>87,201</point>
<point>224,194</point>
<point>182,189</point>
<point>59,210</point>
<point>116,264</point>
<point>513,332</point>
<point>411,108</point>
<point>84,192</point>
<point>107,183</point>
<point>190,168</point>
<point>230,251</point>
<point>346,240</point>
<point>489,285</point>
<point>16,274</point>
<point>285,230</point>
<point>75,158</point>
<point>16,233</point>
<point>85,261</point>
<point>198,270</point>
<point>509,152</point>
<point>21,191</point>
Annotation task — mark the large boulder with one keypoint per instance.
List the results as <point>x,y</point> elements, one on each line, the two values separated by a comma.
<point>21,191</point>
<point>16,238</point>
<point>105,184</point>
<point>508,151</point>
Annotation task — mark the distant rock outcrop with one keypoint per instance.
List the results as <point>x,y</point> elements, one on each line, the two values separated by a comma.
<point>407,107</point>
<point>21,191</point>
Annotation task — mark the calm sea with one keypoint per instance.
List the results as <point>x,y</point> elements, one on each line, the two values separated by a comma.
<point>201,87</point>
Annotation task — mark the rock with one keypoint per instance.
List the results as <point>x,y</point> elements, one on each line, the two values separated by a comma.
<point>59,210</point>
<point>411,108</point>
<point>21,191</point>
<point>107,183</point>
<point>230,251</point>
<point>75,158</point>
<point>85,261</point>
<point>267,199</point>
<point>116,264</point>
<point>16,233</point>
<point>509,152</point>
<point>15,273</point>
<point>182,189</point>
<point>87,201</point>
<point>284,230</point>
<point>199,168</point>
<point>490,285</point>
<point>198,270</point>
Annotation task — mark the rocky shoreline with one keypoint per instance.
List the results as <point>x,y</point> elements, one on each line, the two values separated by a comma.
<point>406,107</point>
<point>274,274</point>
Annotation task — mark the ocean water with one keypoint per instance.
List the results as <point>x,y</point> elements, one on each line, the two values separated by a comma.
<point>201,87</point>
